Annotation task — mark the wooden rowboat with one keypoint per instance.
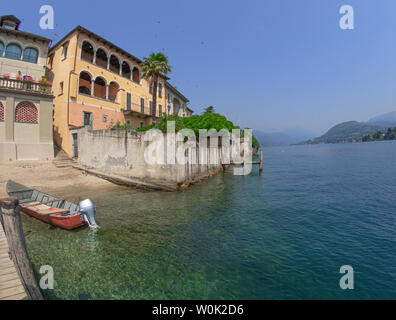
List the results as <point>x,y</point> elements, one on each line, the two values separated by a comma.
<point>57,212</point>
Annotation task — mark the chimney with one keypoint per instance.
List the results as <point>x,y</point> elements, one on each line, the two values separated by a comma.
<point>10,22</point>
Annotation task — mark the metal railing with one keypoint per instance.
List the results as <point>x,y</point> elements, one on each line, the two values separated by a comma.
<point>25,85</point>
<point>146,110</point>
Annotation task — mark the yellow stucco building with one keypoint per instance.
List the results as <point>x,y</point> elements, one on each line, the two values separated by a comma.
<point>96,83</point>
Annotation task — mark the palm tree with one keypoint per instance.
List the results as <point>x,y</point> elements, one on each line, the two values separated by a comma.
<point>155,66</point>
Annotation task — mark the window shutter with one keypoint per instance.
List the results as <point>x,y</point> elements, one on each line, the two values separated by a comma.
<point>128,102</point>
<point>141,105</point>
<point>160,90</point>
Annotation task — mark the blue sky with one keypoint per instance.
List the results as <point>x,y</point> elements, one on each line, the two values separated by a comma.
<point>270,64</point>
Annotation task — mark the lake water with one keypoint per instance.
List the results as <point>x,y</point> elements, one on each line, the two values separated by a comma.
<point>282,235</point>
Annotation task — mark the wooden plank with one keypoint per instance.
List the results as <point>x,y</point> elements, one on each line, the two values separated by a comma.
<point>37,203</point>
<point>5,258</point>
<point>5,263</point>
<point>9,276</point>
<point>48,212</point>
<point>4,254</point>
<point>10,283</point>
<point>4,293</point>
<point>20,296</point>
<point>7,270</point>
<point>7,266</point>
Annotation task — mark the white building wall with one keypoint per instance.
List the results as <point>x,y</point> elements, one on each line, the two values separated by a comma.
<point>170,106</point>
<point>35,70</point>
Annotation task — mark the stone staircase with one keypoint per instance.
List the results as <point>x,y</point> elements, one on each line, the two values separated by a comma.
<point>62,160</point>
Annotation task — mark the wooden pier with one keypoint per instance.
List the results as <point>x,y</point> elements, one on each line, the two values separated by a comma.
<point>17,280</point>
<point>10,285</point>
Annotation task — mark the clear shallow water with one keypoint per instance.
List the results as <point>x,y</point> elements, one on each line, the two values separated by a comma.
<point>282,235</point>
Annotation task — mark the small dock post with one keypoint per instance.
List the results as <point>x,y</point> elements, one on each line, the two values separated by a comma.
<point>11,220</point>
<point>261,162</point>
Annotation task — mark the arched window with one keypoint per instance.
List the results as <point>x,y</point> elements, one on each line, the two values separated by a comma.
<point>113,91</point>
<point>87,52</point>
<point>126,70</point>
<point>85,83</point>
<point>30,55</point>
<point>136,75</point>
<point>13,51</point>
<point>100,88</point>
<point>101,58</point>
<point>1,48</point>
<point>26,112</point>
<point>114,64</point>
<point>1,112</point>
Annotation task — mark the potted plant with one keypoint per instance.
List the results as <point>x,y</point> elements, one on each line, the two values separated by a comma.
<point>19,76</point>
<point>44,83</point>
<point>7,75</point>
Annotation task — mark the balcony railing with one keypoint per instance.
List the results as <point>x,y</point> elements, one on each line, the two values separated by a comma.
<point>138,108</point>
<point>24,85</point>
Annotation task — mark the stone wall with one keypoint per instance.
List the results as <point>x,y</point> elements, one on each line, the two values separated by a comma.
<point>26,141</point>
<point>121,153</point>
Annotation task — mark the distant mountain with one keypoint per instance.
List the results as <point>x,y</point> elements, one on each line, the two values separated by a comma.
<point>351,131</point>
<point>384,120</point>
<point>283,138</point>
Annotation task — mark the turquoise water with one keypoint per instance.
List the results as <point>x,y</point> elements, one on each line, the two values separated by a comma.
<point>282,235</point>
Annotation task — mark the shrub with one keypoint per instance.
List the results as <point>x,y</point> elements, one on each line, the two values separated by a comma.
<point>119,126</point>
<point>149,127</point>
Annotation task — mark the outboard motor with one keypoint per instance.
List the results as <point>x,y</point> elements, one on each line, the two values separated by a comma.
<point>87,209</point>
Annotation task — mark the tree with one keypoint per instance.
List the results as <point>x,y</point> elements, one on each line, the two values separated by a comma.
<point>155,66</point>
<point>209,109</point>
<point>206,121</point>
